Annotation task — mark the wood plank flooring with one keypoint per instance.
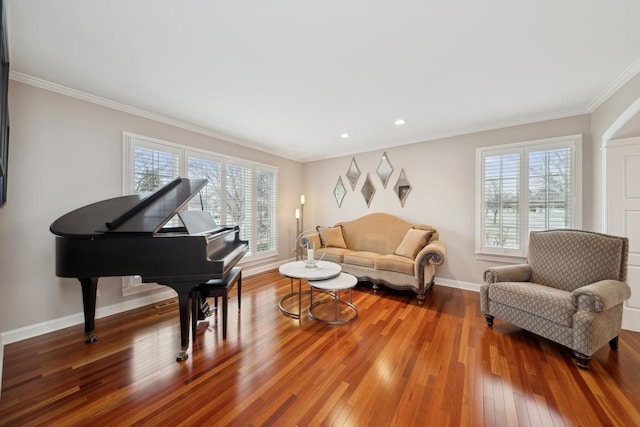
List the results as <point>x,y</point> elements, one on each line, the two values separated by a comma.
<point>397,364</point>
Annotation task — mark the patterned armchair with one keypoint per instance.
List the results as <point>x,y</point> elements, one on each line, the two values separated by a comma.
<point>571,291</point>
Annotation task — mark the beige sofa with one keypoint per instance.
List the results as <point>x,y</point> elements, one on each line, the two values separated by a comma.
<point>383,249</point>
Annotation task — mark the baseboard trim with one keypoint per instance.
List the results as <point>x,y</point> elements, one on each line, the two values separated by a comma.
<point>631,319</point>
<point>42,328</point>
<point>78,318</point>
<point>457,284</point>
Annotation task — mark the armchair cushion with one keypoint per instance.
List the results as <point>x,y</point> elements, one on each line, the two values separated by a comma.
<point>550,303</point>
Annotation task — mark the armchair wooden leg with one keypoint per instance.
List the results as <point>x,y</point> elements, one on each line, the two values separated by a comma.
<point>613,344</point>
<point>582,360</point>
<point>489,319</point>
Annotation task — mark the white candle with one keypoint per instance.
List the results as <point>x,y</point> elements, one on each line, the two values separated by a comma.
<point>297,213</point>
<point>310,255</point>
<point>302,199</point>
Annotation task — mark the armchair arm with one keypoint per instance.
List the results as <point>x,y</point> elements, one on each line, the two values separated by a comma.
<point>434,253</point>
<point>508,273</point>
<point>600,296</point>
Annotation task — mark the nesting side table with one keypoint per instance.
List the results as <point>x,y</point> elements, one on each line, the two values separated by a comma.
<point>297,270</point>
<point>334,287</point>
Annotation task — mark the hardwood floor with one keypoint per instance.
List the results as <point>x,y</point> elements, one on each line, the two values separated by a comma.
<point>396,364</point>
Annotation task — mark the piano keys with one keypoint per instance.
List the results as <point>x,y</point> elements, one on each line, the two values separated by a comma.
<point>127,236</point>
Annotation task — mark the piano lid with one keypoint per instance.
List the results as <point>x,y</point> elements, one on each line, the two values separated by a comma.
<point>129,214</point>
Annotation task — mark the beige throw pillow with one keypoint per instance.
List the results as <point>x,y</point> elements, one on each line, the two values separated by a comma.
<point>412,243</point>
<point>331,236</point>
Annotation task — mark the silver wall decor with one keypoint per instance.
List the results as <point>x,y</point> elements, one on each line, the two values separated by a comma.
<point>353,174</point>
<point>402,187</point>
<point>384,170</point>
<point>339,191</point>
<point>368,190</point>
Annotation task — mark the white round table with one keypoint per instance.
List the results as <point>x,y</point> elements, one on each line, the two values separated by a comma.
<point>298,270</point>
<point>333,287</point>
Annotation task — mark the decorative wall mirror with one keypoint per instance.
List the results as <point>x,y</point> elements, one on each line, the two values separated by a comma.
<point>353,174</point>
<point>384,170</point>
<point>339,191</point>
<point>402,187</point>
<point>367,190</point>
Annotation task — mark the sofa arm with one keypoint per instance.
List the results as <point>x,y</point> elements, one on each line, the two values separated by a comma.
<point>434,253</point>
<point>600,296</point>
<point>508,273</point>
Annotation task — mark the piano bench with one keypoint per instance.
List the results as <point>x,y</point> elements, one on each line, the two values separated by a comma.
<point>215,288</point>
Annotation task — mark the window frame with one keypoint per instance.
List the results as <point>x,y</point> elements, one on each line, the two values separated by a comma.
<point>184,152</point>
<point>573,142</point>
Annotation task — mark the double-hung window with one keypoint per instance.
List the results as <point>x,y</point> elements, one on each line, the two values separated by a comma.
<point>524,187</point>
<point>238,192</point>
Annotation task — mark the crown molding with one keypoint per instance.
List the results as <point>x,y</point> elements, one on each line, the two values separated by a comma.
<point>629,73</point>
<point>104,102</point>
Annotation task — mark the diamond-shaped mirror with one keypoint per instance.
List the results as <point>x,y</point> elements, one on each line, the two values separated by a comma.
<point>384,170</point>
<point>339,191</point>
<point>353,174</point>
<point>402,187</point>
<point>367,190</point>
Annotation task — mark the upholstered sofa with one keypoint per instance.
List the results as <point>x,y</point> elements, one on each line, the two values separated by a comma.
<point>571,290</point>
<point>383,249</point>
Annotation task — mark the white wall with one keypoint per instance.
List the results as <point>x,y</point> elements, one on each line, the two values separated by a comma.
<point>442,174</point>
<point>601,121</point>
<point>65,153</point>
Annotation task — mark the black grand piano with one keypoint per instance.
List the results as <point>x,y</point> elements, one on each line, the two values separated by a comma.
<point>128,235</point>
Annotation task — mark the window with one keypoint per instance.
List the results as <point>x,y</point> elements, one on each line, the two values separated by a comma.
<point>238,192</point>
<point>524,187</point>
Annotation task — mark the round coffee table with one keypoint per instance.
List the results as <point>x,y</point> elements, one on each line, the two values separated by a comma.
<point>342,282</point>
<point>298,270</point>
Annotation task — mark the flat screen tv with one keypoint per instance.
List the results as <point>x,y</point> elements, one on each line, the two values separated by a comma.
<point>4,105</point>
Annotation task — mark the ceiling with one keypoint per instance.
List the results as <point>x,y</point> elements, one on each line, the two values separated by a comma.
<point>290,76</point>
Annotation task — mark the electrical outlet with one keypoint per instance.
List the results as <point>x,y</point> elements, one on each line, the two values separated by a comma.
<point>98,293</point>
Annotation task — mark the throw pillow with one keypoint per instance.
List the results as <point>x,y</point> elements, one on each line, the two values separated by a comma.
<point>332,236</point>
<point>414,240</point>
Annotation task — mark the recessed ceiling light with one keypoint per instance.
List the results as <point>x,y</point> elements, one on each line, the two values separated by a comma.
<point>400,122</point>
<point>344,135</point>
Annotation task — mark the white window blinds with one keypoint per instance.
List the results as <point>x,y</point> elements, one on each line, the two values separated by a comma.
<point>239,198</point>
<point>525,187</point>
<point>238,192</point>
<point>153,168</point>
<point>210,197</point>
<point>501,200</point>
<point>266,213</point>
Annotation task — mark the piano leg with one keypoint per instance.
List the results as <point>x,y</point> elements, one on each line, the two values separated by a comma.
<point>89,291</point>
<point>183,303</point>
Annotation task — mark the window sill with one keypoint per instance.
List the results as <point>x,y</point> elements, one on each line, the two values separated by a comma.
<point>501,258</point>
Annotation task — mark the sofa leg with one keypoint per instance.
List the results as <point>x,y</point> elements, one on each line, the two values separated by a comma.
<point>375,288</point>
<point>421,299</point>
<point>489,319</point>
<point>582,360</point>
<point>613,344</point>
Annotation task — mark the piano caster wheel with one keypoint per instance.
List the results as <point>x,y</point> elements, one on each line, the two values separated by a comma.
<point>182,356</point>
<point>91,338</point>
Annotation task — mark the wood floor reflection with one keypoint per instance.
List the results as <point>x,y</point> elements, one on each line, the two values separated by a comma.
<point>397,364</point>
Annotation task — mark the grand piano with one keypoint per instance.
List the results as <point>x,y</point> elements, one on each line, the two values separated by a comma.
<point>129,235</point>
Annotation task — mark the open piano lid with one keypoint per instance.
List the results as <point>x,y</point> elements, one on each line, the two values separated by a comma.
<point>129,214</point>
